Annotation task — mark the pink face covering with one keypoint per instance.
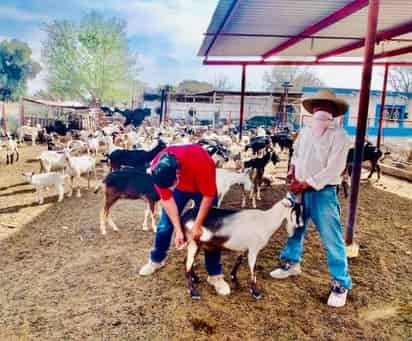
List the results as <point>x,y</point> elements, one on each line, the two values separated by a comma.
<point>321,121</point>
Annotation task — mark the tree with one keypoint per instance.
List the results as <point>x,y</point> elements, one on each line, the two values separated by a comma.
<point>298,76</point>
<point>400,78</point>
<point>193,87</point>
<point>89,61</point>
<point>16,67</point>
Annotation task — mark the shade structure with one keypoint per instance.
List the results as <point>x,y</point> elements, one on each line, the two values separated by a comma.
<point>310,30</point>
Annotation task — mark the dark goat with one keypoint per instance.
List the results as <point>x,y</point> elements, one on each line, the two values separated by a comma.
<point>283,140</point>
<point>370,153</point>
<point>128,183</point>
<point>258,143</point>
<point>134,158</point>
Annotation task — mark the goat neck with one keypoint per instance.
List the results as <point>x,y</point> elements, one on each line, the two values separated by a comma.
<point>273,218</point>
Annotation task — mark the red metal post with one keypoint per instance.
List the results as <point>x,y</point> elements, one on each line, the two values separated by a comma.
<point>340,14</point>
<point>382,111</point>
<point>22,114</point>
<point>242,100</point>
<point>362,116</point>
<point>4,117</point>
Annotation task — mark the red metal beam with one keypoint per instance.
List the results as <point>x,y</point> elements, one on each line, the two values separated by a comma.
<point>362,117</point>
<point>383,35</point>
<point>242,100</point>
<point>330,20</point>
<point>394,53</point>
<point>385,82</point>
<point>297,62</point>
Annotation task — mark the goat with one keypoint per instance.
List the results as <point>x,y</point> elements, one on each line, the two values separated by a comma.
<point>79,165</point>
<point>40,181</point>
<point>52,160</point>
<point>134,158</point>
<point>226,179</point>
<point>284,141</point>
<point>370,153</point>
<point>258,143</point>
<point>11,149</point>
<point>128,183</point>
<point>231,230</point>
<point>258,169</point>
<point>33,132</point>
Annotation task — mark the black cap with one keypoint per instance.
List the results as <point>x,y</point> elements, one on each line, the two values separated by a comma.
<point>164,173</point>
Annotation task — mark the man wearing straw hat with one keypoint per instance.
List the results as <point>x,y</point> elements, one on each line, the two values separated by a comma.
<point>317,164</point>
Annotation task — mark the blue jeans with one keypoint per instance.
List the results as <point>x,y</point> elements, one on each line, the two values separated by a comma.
<point>323,208</point>
<point>165,231</point>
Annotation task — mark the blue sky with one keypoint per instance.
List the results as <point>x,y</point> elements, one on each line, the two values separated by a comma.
<point>165,33</point>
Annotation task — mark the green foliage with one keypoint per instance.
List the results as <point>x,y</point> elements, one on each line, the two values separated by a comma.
<point>90,61</point>
<point>16,67</point>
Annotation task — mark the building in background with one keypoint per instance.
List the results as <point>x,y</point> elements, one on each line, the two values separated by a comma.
<point>224,106</point>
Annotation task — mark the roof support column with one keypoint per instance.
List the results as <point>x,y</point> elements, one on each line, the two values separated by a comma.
<point>4,118</point>
<point>242,101</point>
<point>373,11</point>
<point>382,111</point>
<point>22,118</point>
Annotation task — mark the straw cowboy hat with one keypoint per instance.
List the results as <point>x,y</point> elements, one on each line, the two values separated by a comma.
<point>328,96</point>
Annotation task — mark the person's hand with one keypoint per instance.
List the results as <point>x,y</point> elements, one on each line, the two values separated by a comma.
<point>196,232</point>
<point>298,187</point>
<point>180,240</point>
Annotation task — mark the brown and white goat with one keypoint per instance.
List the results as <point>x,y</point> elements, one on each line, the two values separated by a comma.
<point>257,172</point>
<point>231,230</point>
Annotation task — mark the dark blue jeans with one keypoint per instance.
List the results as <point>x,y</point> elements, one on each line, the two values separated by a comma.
<point>165,231</point>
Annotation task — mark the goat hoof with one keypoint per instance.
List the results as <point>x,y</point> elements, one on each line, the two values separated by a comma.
<point>194,294</point>
<point>145,228</point>
<point>256,294</point>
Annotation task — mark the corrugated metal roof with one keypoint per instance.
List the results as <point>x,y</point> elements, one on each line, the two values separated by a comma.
<point>288,18</point>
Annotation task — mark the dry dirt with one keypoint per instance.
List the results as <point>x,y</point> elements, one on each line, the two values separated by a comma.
<point>61,280</point>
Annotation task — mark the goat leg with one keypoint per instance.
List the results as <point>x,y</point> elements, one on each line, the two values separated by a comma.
<point>233,273</point>
<point>252,263</point>
<point>192,250</point>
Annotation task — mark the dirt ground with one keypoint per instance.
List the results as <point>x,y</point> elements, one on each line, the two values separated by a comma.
<point>61,280</point>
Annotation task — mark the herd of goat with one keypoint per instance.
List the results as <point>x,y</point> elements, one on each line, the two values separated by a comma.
<point>128,153</point>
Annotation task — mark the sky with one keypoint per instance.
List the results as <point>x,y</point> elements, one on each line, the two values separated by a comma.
<point>166,34</point>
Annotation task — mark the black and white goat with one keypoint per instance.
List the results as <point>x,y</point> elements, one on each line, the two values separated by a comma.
<point>128,183</point>
<point>231,230</point>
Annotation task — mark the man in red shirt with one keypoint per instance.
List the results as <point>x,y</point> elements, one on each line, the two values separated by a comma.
<point>183,173</point>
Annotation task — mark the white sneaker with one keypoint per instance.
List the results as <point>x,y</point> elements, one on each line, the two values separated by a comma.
<point>221,286</point>
<point>286,270</point>
<point>338,294</point>
<point>150,268</point>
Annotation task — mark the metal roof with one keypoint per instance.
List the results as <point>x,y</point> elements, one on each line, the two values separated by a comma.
<point>311,29</point>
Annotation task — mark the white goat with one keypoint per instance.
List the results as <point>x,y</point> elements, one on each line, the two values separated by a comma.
<point>225,179</point>
<point>247,230</point>
<point>26,130</point>
<point>79,165</point>
<point>11,149</point>
<point>52,161</point>
<point>45,180</point>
